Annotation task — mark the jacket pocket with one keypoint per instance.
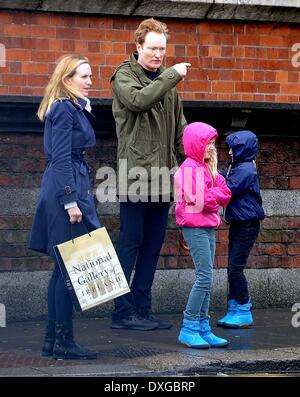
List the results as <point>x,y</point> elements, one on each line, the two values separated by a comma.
<point>144,154</point>
<point>83,181</point>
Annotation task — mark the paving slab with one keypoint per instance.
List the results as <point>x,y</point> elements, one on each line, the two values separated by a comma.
<point>272,344</point>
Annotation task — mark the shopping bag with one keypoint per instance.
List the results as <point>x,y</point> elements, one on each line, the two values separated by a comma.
<point>91,269</point>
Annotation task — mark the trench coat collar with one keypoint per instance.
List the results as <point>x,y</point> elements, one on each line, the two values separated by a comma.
<point>81,102</point>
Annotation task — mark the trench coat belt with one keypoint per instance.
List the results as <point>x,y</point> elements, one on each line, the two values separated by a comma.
<point>79,158</point>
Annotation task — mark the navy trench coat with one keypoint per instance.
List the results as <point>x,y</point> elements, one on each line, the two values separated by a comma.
<point>67,134</point>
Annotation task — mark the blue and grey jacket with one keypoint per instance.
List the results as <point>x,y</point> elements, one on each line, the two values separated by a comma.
<point>242,179</point>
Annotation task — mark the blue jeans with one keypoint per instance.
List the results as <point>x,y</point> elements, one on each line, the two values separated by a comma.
<point>242,236</point>
<point>202,245</point>
<point>142,232</point>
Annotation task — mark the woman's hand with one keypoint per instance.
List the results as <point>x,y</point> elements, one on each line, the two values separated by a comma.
<point>75,215</point>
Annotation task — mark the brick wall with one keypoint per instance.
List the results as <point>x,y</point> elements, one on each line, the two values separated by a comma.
<point>22,163</point>
<point>278,245</point>
<point>230,61</point>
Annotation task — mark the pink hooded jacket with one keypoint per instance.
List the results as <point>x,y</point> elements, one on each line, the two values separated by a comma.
<point>198,196</point>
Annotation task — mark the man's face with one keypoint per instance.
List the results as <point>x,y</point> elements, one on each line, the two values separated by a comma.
<point>152,51</point>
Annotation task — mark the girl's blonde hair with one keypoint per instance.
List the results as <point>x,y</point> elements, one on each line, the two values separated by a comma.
<point>212,163</point>
<point>57,86</point>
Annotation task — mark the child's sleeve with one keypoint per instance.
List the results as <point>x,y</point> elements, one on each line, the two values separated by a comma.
<point>189,186</point>
<point>238,180</point>
<point>221,192</point>
<point>210,202</point>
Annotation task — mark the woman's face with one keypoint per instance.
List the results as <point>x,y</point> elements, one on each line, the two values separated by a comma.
<point>209,148</point>
<point>82,79</point>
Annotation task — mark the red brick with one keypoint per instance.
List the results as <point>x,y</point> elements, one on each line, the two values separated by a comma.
<point>245,87</point>
<point>222,235</point>
<point>224,63</point>
<point>42,31</point>
<point>296,261</point>
<point>272,249</point>
<point>248,40</point>
<point>293,77</point>
<point>34,68</point>
<point>170,249</point>
<point>14,79</point>
<point>293,249</point>
<point>172,262</point>
<point>275,262</point>
<point>17,30</point>
<point>68,45</point>
<point>44,56</point>
<point>282,77</point>
<point>221,261</point>
<point>67,33</point>
<point>271,41</point>
<point>295,182</point>
<point>192,50</point>
<point>222,86</point>
<point>183,262</point>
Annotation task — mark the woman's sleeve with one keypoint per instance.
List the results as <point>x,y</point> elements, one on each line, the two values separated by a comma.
<point>62,116</point>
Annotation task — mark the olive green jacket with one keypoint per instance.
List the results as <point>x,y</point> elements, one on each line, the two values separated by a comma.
<point>149,130</point>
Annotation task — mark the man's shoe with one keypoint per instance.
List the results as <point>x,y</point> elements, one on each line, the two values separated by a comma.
<point>162,324</point>
<point>134,322</point>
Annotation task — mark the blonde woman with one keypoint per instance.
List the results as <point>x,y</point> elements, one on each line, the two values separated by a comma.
<point>65,195</point>
<point>200,190</point>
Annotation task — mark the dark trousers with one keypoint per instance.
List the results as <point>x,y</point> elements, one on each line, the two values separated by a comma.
<point>60,306</point>
<point>242,236</point>
<point>142,233</point>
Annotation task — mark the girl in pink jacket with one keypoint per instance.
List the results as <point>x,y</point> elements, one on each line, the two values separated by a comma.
<point>200,191</point>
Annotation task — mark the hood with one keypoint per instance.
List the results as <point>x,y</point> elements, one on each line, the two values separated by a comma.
<point>195,138</point>
<point>132,62</point>
<point>244,145</point>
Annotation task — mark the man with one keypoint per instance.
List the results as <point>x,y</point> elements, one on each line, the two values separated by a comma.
<point>149,122</point>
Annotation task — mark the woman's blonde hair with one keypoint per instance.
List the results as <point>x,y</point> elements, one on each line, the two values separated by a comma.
<point>57,86</point>
<point>212,163</point>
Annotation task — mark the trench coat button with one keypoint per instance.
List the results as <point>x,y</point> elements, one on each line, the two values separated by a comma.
<point>68,190</point>
<point>171,75</point>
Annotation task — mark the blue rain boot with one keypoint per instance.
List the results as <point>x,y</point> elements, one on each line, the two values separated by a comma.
<point>241,318</point>
<point>231,305</point>
<point>209,337</point>
<point>189,335</point>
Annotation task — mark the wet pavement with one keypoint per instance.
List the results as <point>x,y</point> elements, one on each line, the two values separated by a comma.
<point>271,346</point>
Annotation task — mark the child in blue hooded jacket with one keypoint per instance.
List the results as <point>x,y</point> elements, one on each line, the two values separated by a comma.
<point>243,214</point>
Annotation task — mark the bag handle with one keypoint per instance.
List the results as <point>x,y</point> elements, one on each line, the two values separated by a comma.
<point>85,229</point>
